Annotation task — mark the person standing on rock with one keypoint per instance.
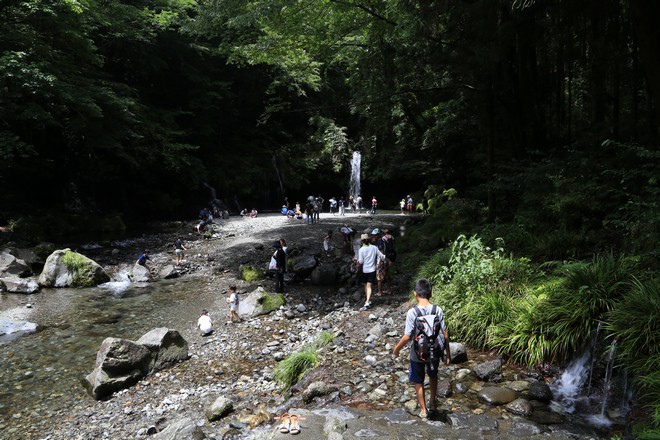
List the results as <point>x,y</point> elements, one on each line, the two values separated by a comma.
<point>178,250</point>
<point>418,366</point>
<point>280,259</point>
<point>368,258</point>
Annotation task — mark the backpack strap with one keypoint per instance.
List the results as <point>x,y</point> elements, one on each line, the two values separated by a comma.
<point>434,310</point>
<point>418,311</point>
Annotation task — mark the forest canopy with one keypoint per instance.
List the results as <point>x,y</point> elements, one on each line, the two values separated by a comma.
<point>543,112</point>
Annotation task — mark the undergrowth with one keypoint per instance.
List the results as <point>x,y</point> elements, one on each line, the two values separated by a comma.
<point>292,369</point>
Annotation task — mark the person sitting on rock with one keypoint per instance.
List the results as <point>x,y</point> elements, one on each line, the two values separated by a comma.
<point>253,213</point>
<point>204,324</point>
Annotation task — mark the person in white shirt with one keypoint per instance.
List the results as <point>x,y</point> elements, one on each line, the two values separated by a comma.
<point>233,305</point>
<point>204,323</point>
<point>368,257</point>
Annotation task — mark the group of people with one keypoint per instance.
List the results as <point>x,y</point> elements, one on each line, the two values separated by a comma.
<point>408,206</point>
<point>248,214</point>
<point>375,258</point>
<point>204,323</point>
<point>179,253</point>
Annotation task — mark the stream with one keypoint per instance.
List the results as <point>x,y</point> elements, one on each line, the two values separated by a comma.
<point>44,370</point>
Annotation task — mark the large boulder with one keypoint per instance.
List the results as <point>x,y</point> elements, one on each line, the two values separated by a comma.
<point>458,352</point>
<point>120,363</point>
<point>303,266</point>
<point>540,391</point>
<point>489,371</point>
<point>15,284</point>
<point>140,274</point>
<point>165,346</point>
<point>324,275</point>
<point>10,265</point>
<point>259,302</point>
<point>496,395</point>
<point>65,268</point>
<point>182,429</point>
<point>220,408</point>
<point>33,257</point>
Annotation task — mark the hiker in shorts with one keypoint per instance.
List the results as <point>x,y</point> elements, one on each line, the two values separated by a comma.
<point>418,366</point>
<point>178,250</point>
<point>368,258</point>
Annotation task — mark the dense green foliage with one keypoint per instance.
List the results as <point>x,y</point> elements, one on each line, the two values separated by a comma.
<point>549,314</point>
<point>540,111</point>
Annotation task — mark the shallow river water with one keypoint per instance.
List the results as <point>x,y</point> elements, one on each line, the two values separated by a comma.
<point>44,370</point>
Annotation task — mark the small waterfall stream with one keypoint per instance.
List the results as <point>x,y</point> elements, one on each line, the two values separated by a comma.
<point>354,188</point>
<point>575,391</point>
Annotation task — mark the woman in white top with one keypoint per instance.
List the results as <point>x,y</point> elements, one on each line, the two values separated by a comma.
<point>368,257</point>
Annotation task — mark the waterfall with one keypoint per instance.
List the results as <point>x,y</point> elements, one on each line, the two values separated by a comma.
<point>608,376</point>
<point>354,188</point>
<point>566,390</point>
<point>594,344</point>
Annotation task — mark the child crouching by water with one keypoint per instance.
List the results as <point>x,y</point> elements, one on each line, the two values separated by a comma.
<point>233,305</point>
<point>204,323</point>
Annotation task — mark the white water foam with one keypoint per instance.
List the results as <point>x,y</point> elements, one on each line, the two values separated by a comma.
<point>567,389</point>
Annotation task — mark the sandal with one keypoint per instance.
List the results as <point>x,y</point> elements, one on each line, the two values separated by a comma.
<point>295,424</point>
<point>286,423</point>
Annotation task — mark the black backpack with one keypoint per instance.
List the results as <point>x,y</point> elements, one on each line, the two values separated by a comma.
<point>428,341</point>
<point>390,253</point>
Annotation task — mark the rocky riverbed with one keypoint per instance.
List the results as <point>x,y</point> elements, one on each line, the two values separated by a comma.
<point>358,390</point>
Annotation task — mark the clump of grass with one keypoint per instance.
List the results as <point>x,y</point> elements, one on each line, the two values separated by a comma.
<point>292,369</point>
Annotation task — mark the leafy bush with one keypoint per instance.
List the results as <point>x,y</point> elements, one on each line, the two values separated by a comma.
<point>476,287</point>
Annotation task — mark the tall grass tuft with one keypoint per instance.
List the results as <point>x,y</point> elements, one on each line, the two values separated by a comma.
<point>589,290</point>
<point>636,320</point>
<point>292,369</point>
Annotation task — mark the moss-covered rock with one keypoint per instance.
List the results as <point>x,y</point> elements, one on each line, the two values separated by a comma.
<point>250,273</point>
<point>65,268</point>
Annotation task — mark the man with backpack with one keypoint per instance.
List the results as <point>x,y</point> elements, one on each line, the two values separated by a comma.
<point>425,327</point>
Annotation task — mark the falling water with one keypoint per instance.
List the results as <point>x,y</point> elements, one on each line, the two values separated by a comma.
<point>601,419</point>
<point>594,344</point>
<point>354,189</point>
<point>566,390</point>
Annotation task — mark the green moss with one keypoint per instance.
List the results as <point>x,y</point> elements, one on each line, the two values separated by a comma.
<point>250,273</point>
<point>80,267</point>
<point>273,301</point>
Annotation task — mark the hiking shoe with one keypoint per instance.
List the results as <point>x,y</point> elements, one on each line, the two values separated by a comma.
<point>423,415</point>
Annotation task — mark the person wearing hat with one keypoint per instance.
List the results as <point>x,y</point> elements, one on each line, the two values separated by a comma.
<point>368,256</point>
<point>280,259</point>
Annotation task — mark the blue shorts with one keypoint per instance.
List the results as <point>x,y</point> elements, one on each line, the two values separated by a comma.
<point>417,371</point>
